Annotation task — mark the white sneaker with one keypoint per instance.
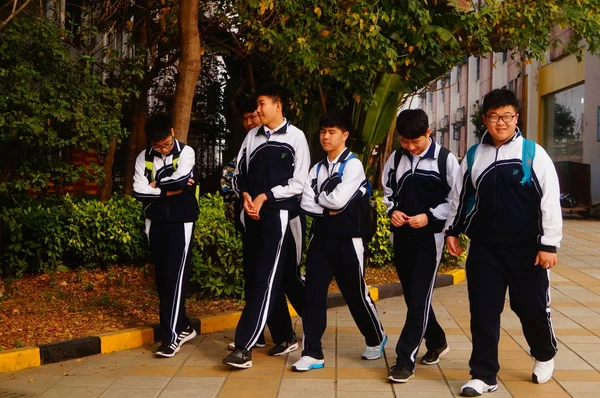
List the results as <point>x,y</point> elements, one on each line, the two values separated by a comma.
<point>542,371</point>
<point>476,387</point>
<point>307,363</point>
<point>375,352</point>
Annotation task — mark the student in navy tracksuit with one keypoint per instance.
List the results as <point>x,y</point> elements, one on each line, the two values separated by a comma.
<point>337,248</point>
<point>272,166</point>
<point>416,183</point>
<point>509,206</point>
<point>163,175</point>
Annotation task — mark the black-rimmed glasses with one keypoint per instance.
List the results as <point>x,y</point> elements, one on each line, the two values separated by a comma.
<point>507,118</point>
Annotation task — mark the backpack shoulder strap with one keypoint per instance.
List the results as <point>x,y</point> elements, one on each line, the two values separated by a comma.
<point>528,153</point>
<point>471,157</point>
<point>343,165</point>
<point>149,161</point>
<point>397,157</point>
<point>442,161</point>
<point>341,172</point>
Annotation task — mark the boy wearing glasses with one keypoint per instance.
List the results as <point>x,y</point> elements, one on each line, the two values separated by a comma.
<point>162,182</point>
<point>507,201</point>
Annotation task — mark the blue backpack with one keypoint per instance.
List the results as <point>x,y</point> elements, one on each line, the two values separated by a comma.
<point>527,155</point>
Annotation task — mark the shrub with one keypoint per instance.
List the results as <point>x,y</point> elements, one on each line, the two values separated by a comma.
<point>217,254</point>
<point>66,231</point>
<point>380,249</point>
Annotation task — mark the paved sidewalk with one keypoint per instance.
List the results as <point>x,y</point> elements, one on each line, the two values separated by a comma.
<point>197,371</point>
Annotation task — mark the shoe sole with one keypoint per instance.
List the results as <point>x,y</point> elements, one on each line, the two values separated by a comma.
<point>401,380</point>
<point>311,367</point>
<point>188,338</point>
<point>291,348</point>
<point>244,365</point>
<point>380,351</point>
<point>471,392</point>
<point>438,358</point>
<point>163,355</point>
<point>535,379</point>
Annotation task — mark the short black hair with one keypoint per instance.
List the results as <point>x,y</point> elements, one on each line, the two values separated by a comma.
<point>498,98</point>
<point>336,118</point>
<point>248,105</point>
<point>412,123</point>
<point>158,127</point>
<point>275,92</point>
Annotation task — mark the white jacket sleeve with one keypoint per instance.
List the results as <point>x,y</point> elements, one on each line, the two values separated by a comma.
<point>457,199</point>
<point>352,184</point>
<point>185,171</point>
<point>387,187</point>
<point>295,184</point>
<point>141,187</point>
<point>442,210</point>
<point>550,199</point>
<point>309,195</point>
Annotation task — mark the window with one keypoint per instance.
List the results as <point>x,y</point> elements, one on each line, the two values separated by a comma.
<point>563,124</point>
<point>478,68</point>
<point>511,85</point>
<point>504,56</point>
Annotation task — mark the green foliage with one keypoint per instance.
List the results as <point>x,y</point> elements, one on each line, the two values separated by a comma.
<point>49,102</point>
<point>477,121</point>
<point>217,253</point>
<point>380,249</point>
<point>65,231</point>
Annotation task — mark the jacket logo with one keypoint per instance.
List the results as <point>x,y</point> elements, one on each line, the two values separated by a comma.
<point>515,172</point>
<point>283,155</point>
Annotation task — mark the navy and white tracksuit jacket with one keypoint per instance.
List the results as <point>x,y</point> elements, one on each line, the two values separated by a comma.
<point>508,224</point>
<point>337,248</point>
<point>275,163</point>
<point>169,226</point>
<point>415,187</point>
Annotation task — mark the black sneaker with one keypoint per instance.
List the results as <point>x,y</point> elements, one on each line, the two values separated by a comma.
<point>239,358</point>
<point>167,350</point>
<point>432,357</point>
<point>186,335</point>
<point>284,348</point>
<point>400,374</point>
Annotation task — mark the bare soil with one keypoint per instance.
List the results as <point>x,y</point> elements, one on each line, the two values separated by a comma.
<point>48,308</point>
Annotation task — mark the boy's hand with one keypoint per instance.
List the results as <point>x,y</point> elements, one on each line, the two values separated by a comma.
<point>191,182</point>
<point>248,205</point>
<point>152,184</point>
<point>418,221</point>
<point>453,245</point>
<point>546,260</point>
<point>398,218</point>
<point>257,205</point>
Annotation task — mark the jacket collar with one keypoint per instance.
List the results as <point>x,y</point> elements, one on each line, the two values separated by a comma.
<point>281,130</point>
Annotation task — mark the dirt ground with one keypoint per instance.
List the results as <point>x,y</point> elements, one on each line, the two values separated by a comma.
<point>47,308</point>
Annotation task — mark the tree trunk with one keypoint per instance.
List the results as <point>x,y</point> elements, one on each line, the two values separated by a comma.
<point>109,160</point>
<point>188,68</point>
<point>137,139</point>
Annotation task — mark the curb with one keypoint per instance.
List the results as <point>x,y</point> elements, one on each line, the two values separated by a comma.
<point>30,357</point>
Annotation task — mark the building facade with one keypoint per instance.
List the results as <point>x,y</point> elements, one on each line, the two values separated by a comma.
<point>560,103</point>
